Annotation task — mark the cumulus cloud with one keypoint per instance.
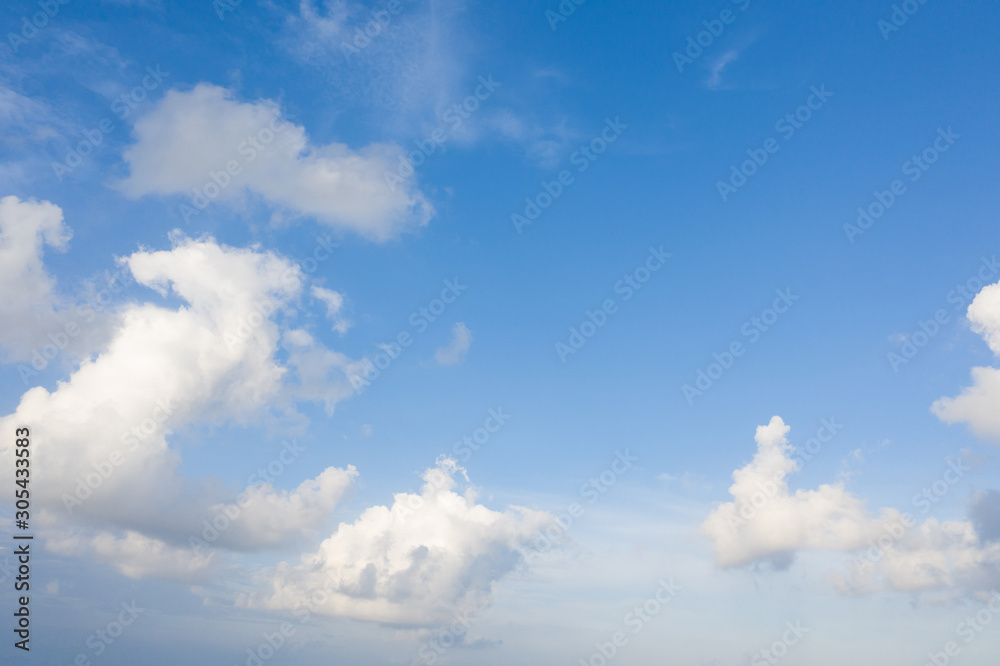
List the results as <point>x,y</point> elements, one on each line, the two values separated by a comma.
<point>767,522</point>
<point>934,555</point>
<point>206,145</point>
<point>977,405</point>
<point>413,563</point>
<point>102,437</point>
<point>455,351</point>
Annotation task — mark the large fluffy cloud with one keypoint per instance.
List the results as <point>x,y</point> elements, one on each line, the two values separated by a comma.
<point>206,145</point>
<point>101,440</point>
<point>413,563</point>
<point>221,344</point>
<point>979,405</point>
<point>767,522</point>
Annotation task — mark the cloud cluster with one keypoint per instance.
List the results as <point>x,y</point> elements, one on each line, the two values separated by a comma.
<point>413,563</point>
<point>214,345</point>
<point>101,439</point>
<point>766,522</point>
<point>206,145</point>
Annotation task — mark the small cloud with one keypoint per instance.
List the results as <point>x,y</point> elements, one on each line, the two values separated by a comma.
<point>366,430</point>
<point>52,588</point>
<point>460,343</point>
<point>686,480</point>
<point>715,79</point>
<point>551,73</point>
<point>334,304</point>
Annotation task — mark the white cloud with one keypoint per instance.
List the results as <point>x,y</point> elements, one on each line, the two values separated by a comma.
<point>456,350</point>
<point>29,305</point>
<point>979,405</point>
<point>40,323</point>
<point>403,67</point>
<point>139,556</point>
<point>323,375</point>
<point>414,563</point>
<point>766,522</point>
<point>269,517</point>
<point>334,302</point>
<point>210,360</point>
<point>719,66</point>
<point>191,135</point>
<point>932,556</point>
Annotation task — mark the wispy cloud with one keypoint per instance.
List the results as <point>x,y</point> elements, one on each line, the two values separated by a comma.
<point>718,68</point>
<point>455,352</point>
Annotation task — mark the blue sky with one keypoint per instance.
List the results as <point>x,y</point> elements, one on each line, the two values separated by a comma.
<point>592,120</point>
